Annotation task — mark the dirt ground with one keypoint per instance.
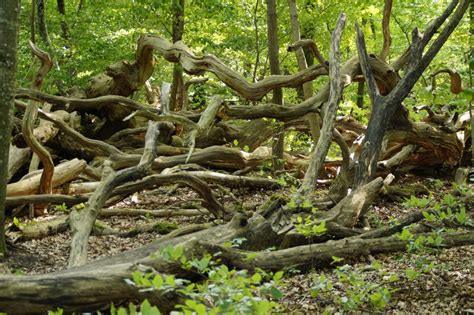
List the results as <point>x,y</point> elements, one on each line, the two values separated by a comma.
<point>447,287</point>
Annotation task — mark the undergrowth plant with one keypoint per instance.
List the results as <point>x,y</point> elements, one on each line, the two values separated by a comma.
<point>356,291</point>
<point>224,291</point>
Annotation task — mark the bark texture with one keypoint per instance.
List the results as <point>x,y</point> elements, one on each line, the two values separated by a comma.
<point>9,12</point>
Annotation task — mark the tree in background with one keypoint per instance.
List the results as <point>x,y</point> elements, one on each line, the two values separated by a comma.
<point>177,88</point>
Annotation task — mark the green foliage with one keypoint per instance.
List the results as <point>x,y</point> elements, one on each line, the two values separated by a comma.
<point>310,227</point>
<point>58,311</point>
<point>235,243</point>
<point>415,202</point>
<point>448,208</point>
<point>145,309</point>
<point>225,291</point>
<point>62,207</point>
<point>358,291</point>
<point>17,223</point>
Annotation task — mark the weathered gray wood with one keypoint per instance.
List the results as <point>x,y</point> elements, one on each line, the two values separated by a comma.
<point>205,122</point>
<point>354,205</point>
<point>320,255</point>
<point>383,107</point>
<point>82,220</point>
<point>17,157</point>
<point>320,150</point>
<point>192,64</point>
<point>63,173</point>
<point>29,119</point>
<point>399,157</point>
<point>76,291</point>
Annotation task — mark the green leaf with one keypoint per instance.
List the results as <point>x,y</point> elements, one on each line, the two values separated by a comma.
<point>177,252</point>
<point>276,294</point>
<point>170,281</point>
<point>158,281</point>
<point>137,277</point>
<point>200,309</point>
<point>405,235</point>
<point>132,309</point>
<point>256,278</point>
<point>122,311</point>
<point>428,216</point>
<point>376,265</point>
<point>411,274</point>
<point>320,229</point>
<point>336,259</point>
<point>147,309</point>
<point>191,304</point>
<point>278,275</point>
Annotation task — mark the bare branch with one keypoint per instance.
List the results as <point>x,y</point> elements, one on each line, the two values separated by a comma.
<point>365,65</point>
<point>387,40</point>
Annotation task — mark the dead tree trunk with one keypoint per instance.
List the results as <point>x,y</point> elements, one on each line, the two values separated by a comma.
<point>321,149</point>
<point>314,119</point>
<point>383,107</point>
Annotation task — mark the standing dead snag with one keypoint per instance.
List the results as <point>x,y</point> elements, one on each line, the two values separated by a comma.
<point>321,148</point>
<point>384,107</point>
<point>82,220</point>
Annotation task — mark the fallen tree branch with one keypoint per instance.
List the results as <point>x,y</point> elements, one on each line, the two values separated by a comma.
<point>105,283</point>
<point>205,122</point>
<point>320,255</point>
<point>103,147</point>
<point>216,156</point>
<point>81,221</point>
<point>63,173</point>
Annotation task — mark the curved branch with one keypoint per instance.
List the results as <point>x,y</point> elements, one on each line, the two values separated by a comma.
<point>79,104</point>
<point>387,40</point>
<point>309,43</point>
<point>195,65</point>
<point>456,81</point>
<point>29,120</point>
<point>106,148</point>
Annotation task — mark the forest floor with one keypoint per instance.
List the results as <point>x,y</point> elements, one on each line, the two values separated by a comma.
<point>444,284</point>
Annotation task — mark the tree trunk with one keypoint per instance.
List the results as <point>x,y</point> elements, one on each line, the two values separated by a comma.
<point>273,48</point>
<point>322,146</point>
<point>384,106</point>
<point>300,57</point>
<point>43,30</point>
<point>32,22</point>
<point>81,5</point>
<point>314,119</point>
<point>64,26</point>
<point>471,54</point>
<point>9,12</point>
<point>177,87</point>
